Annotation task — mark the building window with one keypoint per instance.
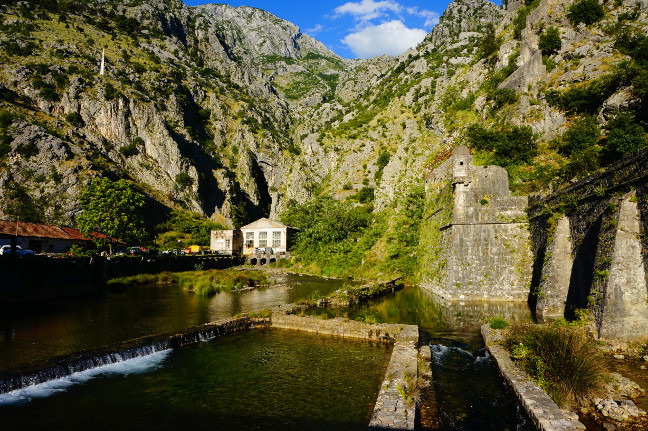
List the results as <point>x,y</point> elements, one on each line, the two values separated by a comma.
<point>228,244</point>
<point>263,239</point>
<point>249,239</point>
<point>276,239</point>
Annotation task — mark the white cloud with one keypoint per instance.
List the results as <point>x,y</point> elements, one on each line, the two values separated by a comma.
<point>391,38</point>
<point>313,31</point>
<point>431,18</point>
<point>366,10</point>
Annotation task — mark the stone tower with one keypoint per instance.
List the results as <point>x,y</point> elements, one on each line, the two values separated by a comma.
<point>485,245</point>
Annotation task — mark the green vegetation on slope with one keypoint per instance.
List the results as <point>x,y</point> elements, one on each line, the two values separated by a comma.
<point>338,238</point>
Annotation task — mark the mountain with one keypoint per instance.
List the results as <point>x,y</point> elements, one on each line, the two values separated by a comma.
<point>233,112</point>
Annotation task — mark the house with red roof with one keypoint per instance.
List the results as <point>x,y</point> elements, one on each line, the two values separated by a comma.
<point>43,238</point>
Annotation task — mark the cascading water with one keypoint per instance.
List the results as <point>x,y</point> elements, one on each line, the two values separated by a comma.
<point>139,364</point>
<point>470,394</point>
<point>69,365</point>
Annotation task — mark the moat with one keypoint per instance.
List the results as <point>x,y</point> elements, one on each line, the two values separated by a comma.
<point>266,378</point>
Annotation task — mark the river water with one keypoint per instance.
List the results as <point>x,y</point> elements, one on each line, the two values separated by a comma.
<point>263,379</point>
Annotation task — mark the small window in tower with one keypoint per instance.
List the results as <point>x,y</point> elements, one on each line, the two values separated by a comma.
<point>460,163</point>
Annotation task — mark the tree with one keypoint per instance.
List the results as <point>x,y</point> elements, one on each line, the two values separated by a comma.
<point>113,208</point>
<point>585,11</point>
<point>625,136</point>
<point>549,42</point>
<point>583,134</point>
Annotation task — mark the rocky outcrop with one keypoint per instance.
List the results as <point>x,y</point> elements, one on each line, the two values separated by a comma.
<point>256,113</point>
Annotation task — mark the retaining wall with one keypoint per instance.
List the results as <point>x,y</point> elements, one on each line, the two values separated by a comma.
<point>544,413</point>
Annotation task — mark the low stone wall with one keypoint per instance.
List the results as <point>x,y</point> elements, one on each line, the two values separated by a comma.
<point>392,409</point>
<point>345,328</point>
<point>544,413</point>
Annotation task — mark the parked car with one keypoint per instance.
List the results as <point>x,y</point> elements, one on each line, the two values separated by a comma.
<point>175,251</point>
<point>6,249</point>
<point>135,251</point>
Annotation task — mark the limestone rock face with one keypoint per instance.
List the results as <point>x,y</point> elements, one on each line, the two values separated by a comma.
<point>256,113</point>
<point>463,20</point>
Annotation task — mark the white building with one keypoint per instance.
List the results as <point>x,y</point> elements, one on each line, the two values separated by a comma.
<point>226,241</point>
<point>269,235</point>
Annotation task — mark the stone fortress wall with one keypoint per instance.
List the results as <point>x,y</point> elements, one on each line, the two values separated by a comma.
<point>486,244</point>
<point>582,247</point>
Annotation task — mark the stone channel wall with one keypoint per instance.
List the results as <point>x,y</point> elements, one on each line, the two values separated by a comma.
<point>544,413</point>
<point>393,409</point>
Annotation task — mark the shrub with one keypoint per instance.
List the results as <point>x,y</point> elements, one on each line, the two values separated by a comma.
<point>365,195</point>
<point>489,44</point>
<point>625,136</point>
<point>6,119</point>
<point>210,282</point>
<point>129,150</point>
<point>550,42</point>
<point>583,134</point>
<point>586,12</point>
<point>110,92</point>
<point>503,96</point>
<point>74,118</point>
<point>561,359</point>
<point>28,150</point>
<point>509,145</point>
<point>183,180</point>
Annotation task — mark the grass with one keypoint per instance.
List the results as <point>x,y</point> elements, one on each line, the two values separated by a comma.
<point>561,358</point>
<point>498,322</point>
<point>203,283</point>
<point>210,282</point>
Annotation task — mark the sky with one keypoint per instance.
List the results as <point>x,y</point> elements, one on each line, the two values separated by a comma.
<point>355,29</point>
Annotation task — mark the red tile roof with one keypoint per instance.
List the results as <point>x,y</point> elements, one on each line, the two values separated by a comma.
<point>36,230</point>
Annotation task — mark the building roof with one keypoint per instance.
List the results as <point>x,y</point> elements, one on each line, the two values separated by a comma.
<point>263,223</point>
<point>36,230</point>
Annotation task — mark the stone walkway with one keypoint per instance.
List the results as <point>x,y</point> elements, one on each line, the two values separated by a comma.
<point>393,409</point>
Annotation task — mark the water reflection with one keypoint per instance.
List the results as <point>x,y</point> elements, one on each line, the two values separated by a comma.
<point>67,326</point>
<point>435,316</point>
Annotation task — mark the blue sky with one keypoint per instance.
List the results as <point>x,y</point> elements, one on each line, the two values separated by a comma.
<point>357,28</point>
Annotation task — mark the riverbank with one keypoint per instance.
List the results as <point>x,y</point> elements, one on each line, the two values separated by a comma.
<point>608,406</point>
<point>42,278</point>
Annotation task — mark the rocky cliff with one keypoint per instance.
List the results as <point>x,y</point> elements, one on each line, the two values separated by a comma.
<point>232,112</point>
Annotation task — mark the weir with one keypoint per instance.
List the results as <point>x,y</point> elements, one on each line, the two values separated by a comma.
<point>393,409</point>
<point>66,365</point>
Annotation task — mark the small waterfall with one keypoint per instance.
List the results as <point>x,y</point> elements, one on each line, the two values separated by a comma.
<point>62,366</point>
<point>471,395</point>
<point>84,361</point>
<point>50,387</point>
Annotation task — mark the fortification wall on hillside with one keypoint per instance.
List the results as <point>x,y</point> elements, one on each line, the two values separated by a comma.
<point>485,246</point>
